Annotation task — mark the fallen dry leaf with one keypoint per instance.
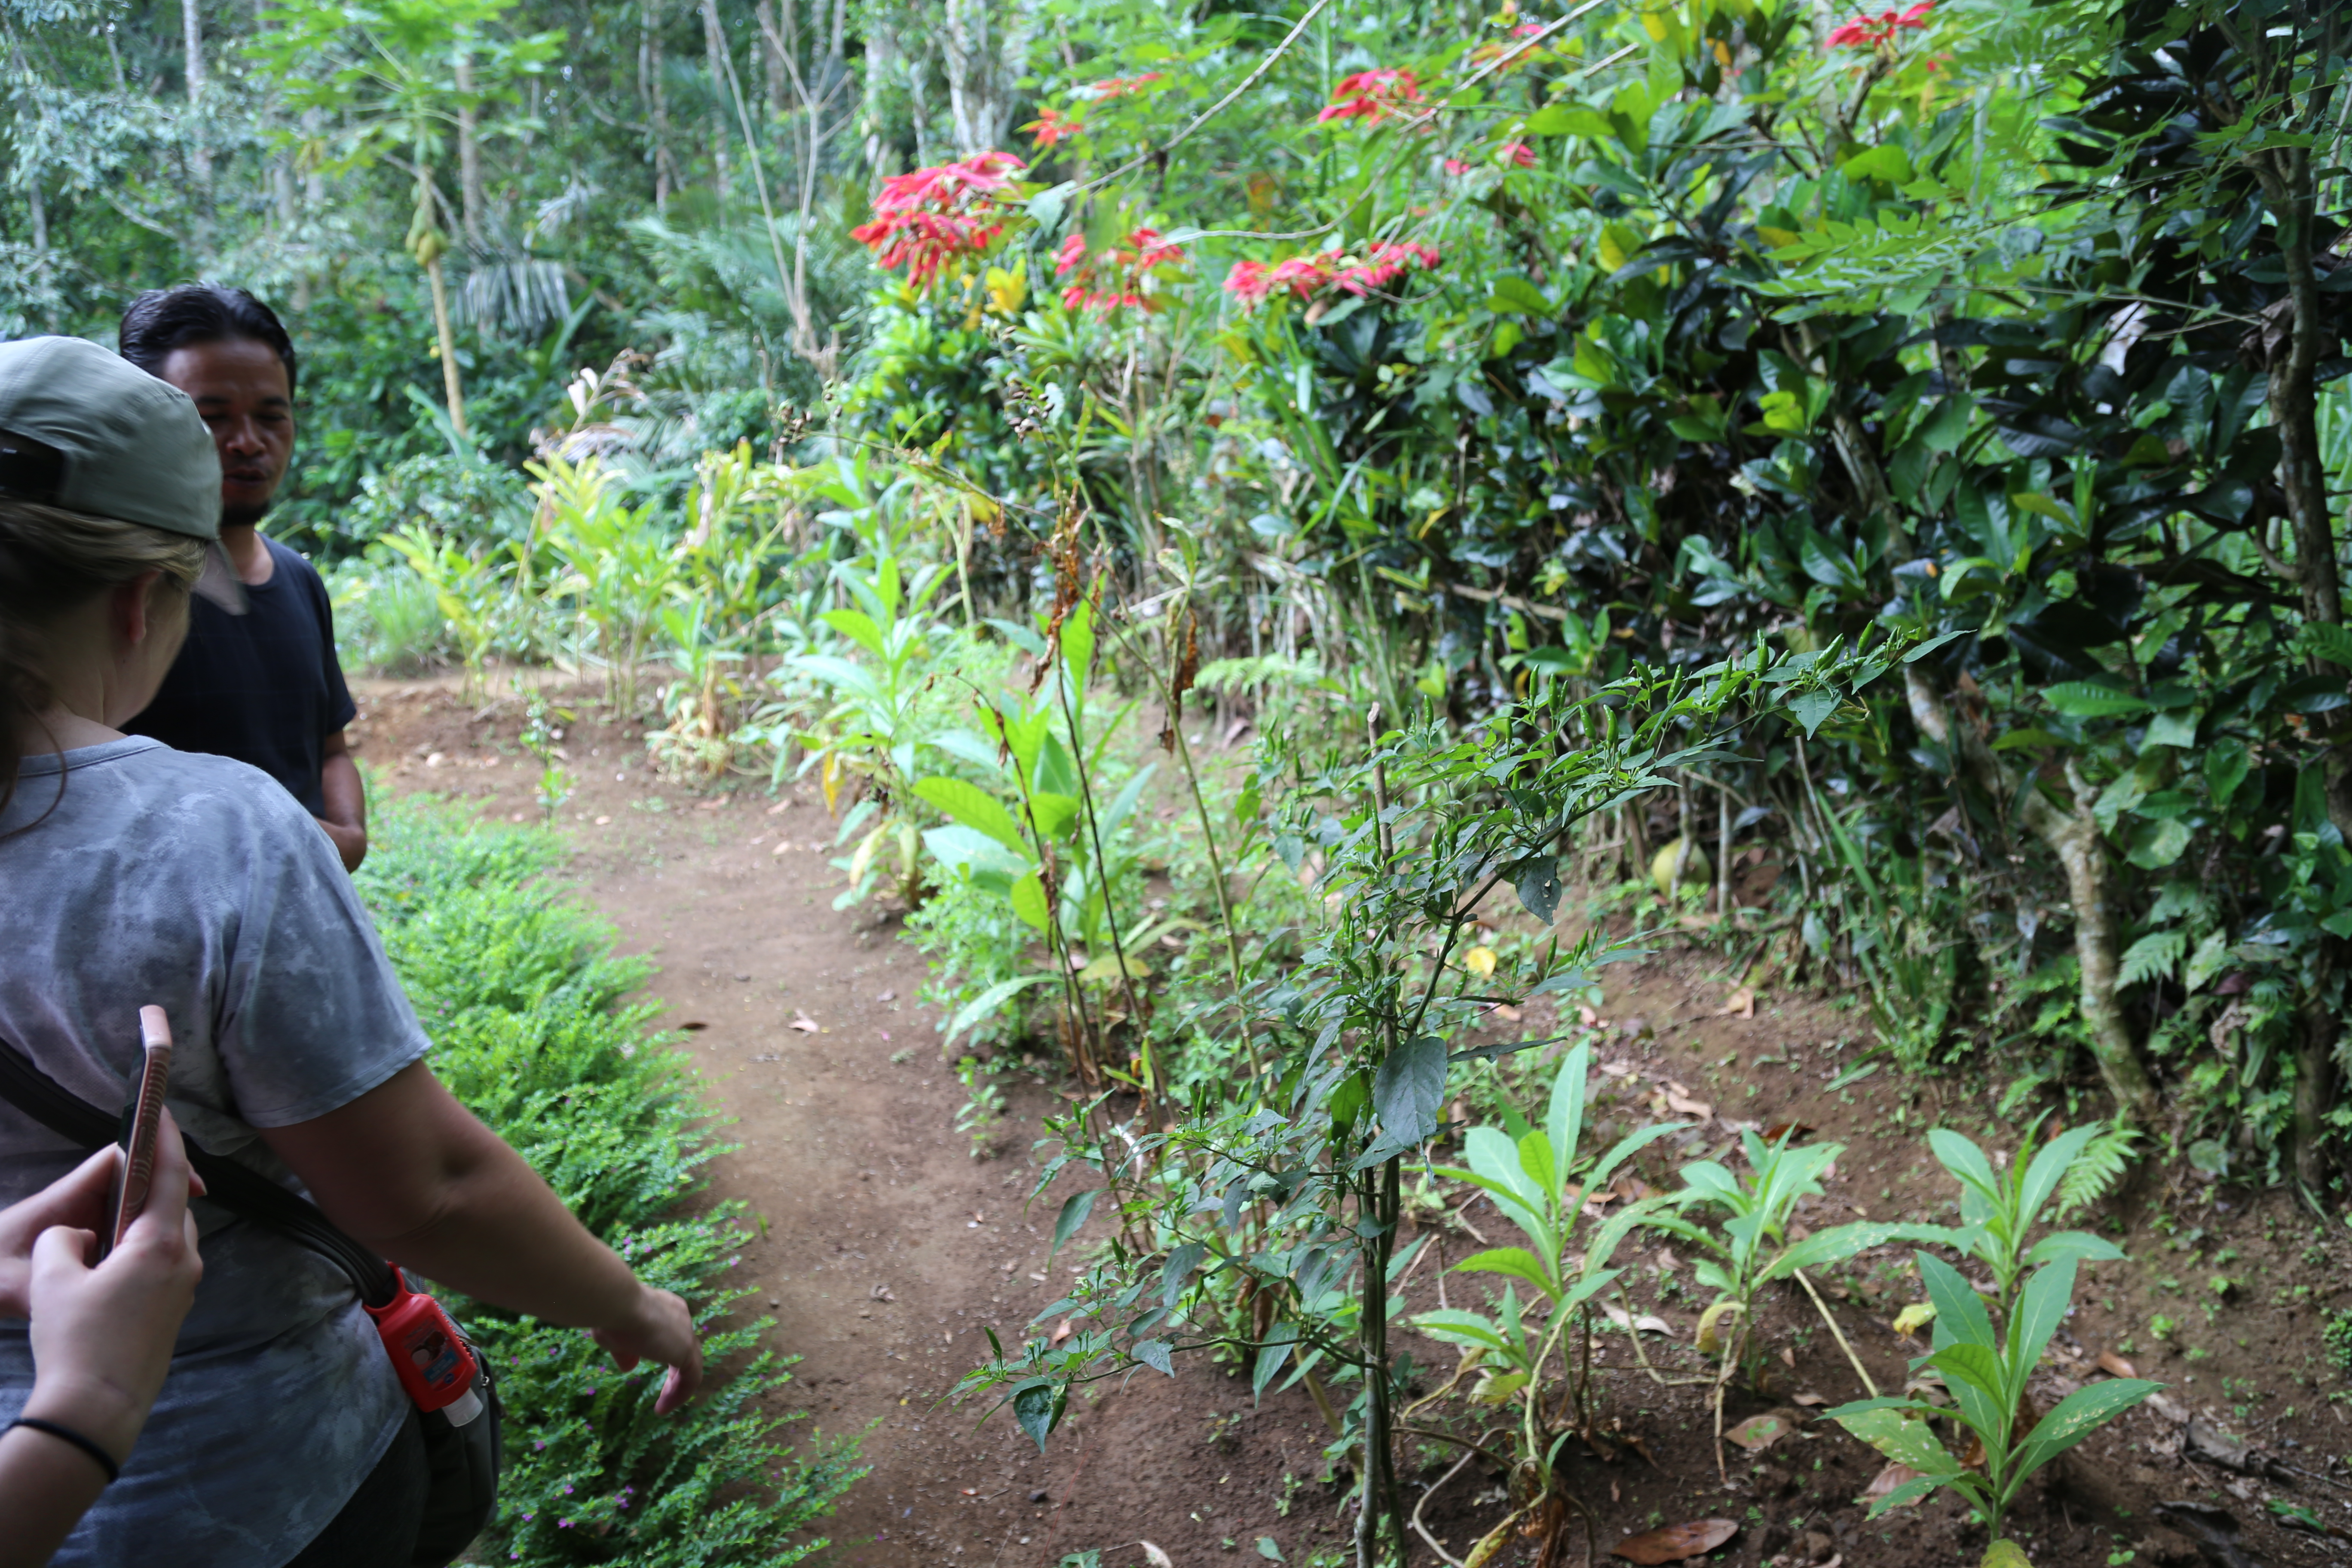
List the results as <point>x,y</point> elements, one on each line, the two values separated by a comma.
<point>780,808</point>
<point>1633,1189</point>
<point>882,1293</point>
<point>1759,1433</point>
<point>1684,1105</point>
<point>1810,1401</point>
<point>1740,1005</point>
<point>781,844</point>
<point>1589,1018</point>
<point>2114,1366</point>
<point>1648,1323</point>
<point>1508,1014</point>
<point>804,1023</point>
<point>1153,1556</point>
<point>1792,1130</point>
<point>1675,1542</point>
<point>1061,1331</point>
<point>1887,1479</point>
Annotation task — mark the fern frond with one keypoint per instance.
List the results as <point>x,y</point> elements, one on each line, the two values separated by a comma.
<point>2096,1169</point>
<point>2153,957</point>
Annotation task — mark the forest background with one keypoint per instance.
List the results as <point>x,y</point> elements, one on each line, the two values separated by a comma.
<point>1972,375</point>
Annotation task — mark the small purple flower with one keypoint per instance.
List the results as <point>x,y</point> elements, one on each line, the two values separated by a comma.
<point>567,1489</point>
<point>563,1524</point>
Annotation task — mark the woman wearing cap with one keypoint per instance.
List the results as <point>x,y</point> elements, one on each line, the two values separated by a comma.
<point>132,873</point>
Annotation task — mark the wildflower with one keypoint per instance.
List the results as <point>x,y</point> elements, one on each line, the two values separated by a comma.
<point>1303,277</point>
<point>1456,167</point>
<point>1519,154</point>
<point>1371,96</point>
<point>1051,127</point>
<point>1494,49</point>
<point>927,220</point>
<point>1121,87</point>
<point>1117,276</point>
<point>1383,265</point>
<point>1867,31</point>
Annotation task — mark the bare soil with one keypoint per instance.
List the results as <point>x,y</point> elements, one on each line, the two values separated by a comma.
<point>887,1246</point>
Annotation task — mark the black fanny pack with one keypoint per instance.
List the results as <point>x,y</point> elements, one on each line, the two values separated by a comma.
<point>463,1457</point>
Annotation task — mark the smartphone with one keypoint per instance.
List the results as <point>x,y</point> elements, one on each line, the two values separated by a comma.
<point>142,1121</point>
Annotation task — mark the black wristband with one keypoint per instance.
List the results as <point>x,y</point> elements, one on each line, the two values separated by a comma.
<point>66,1434</point>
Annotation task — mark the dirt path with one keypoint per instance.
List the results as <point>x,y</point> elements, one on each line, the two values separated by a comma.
<point>887,1246</point>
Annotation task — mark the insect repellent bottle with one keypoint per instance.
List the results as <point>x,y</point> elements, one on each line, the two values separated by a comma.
<point>435,1362</point>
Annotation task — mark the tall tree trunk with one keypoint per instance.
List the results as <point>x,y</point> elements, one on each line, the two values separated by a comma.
<point>654,91</point>
<point>469,152</point>
<point>775,95</point>
<point>2072,832</point>
<point>714,49</point>
<point>192,37</point>
<point>2290,191</point>
<point>982,43</point>
<point>450,386</point>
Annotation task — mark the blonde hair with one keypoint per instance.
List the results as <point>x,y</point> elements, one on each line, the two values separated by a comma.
<point>53,561</point>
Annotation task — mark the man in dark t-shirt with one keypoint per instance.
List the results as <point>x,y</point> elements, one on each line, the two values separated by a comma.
<point>264,686</point>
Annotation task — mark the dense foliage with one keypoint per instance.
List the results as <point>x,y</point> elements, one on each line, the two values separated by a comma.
<point>1958,393</point>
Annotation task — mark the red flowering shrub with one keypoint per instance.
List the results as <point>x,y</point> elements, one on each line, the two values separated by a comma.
<point>1879,31</point>
<point>1371,96</point>
<point>1303,277</point>
<point>1120,86</point>
<point>1116,276</point>
<point>1050,127</point>
<point>927,220</point>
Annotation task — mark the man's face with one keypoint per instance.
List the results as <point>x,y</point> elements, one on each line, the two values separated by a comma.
<point>239,387</point>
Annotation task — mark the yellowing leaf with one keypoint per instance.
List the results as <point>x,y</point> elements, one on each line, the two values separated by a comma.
<point>1915,1317</point>
<point>1007,291</point>
<point>830,775</point>
<point>2006,1555</point>
<point>1479,961</point>
<point>1776,238</point>
<point>1710,1330</point>
<point>1618,243</point>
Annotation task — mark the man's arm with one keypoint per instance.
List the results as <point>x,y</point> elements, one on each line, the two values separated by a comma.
<point>346,814</point>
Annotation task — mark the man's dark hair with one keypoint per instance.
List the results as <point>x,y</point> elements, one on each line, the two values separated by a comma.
<point>162,319</point>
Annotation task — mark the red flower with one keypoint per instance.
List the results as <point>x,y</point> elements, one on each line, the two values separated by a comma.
<point>1248,282</point>
<point>1520,154</point>
<point>1371,96</point>
<point>1455,166</point>
<point>1117,276</point>
<point>1304,277</point>
<point>1878,32</point>
<point>1052,127</point>
<point>1120,86</point>
<point>926,219</point>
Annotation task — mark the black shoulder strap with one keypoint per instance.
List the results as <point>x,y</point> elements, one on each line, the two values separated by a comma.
<point>227,1182</point>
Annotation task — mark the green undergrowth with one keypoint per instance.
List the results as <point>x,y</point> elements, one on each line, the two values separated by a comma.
<point>528,1008</point>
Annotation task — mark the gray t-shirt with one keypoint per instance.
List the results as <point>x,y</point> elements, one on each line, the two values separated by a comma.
<point>197,883</point>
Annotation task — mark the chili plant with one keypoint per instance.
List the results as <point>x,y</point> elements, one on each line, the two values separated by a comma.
<point>1986,1375</point>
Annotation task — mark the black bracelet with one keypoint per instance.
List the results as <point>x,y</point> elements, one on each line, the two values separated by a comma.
<point>66,1434</point>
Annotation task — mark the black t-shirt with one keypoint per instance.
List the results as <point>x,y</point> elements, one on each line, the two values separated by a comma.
<point>264,686</point>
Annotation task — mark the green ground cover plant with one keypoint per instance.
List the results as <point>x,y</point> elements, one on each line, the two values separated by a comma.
<point>533,1030</point>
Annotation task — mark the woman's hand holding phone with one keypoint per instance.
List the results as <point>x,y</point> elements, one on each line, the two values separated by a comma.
<point>102,1334</point>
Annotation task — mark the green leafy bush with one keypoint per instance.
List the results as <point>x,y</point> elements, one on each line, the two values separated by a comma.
<point>524,999</point>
